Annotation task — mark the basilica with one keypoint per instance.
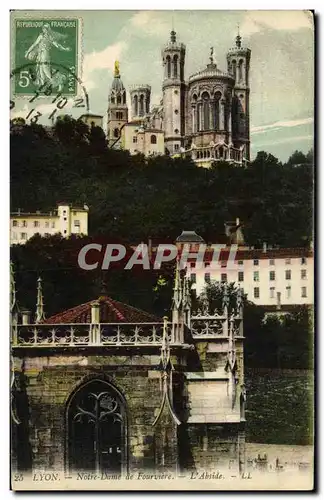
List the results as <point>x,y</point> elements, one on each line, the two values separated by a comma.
<point>205,118</point>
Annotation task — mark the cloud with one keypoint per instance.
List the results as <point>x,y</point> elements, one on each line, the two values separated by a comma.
<point>292,20</point>
<point>105,59</point>
<point>275,126</point>
<point>283,140</point>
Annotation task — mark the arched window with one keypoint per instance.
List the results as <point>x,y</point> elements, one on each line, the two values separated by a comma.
<point>198,117</point>
<point>116,132</point>
<point>96,429</point>
<point>221,152</point>
<point>175,66</point>
<point>119,99</point>
<point>206,111</point>
<point>124,98</point>
<point>218,96</point>
<point>141,105</point>
<point>136,105</point>
<point>240,70</point>
<point>112,99</point>
<point>168,63</point>
<point>234,68</point>
<point>153,139</point>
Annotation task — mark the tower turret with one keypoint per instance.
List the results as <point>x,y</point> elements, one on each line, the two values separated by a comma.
<point>117,108</point>
<point>238,65</point>
<point>173,57</point>
<point>140,99</point>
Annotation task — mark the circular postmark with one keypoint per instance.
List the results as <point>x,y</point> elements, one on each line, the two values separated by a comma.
<point>62,91</point>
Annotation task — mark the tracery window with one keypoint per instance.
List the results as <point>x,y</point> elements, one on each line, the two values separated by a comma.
<point>218,96</point>
<point>240,70</point>
<point>234,68</point>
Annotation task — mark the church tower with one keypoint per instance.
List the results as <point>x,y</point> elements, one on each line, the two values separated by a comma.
<point>117,109</point>
<point>173,56</point>
<point>238,65</point>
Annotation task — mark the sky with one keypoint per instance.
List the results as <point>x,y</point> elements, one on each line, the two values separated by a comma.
<point>282,63</point>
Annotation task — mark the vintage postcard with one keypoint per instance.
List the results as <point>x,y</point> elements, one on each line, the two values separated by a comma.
<point>162,262</point>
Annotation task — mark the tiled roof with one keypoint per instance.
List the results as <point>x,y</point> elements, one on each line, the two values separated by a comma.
<point>111,311</point>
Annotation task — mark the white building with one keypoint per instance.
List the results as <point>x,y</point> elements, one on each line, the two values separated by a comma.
<point>272,277</point>
<point>65,219</point>
<point>276,277</point>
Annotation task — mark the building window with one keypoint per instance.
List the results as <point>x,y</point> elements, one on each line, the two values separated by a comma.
<point>304,291</point>
<point>207,277</point>
<point>77,223</point>
<point>207,264</point>
<point>303,274</point>
<point>272,262</point>
<point>176,147</point>
<point>65,218</point>
<point>23,236</point>
<point>36,223</point>
<point>46,223</point>
<point>119,115</point>
<point>240,262</point>
<point>303,260</point>
<point>176,111</point>
<point>272,275</point>
<point>256,276</point>
<point>223,263</point>
<point>193,277</point>
<point>15,223</point>
<point>256,292</point>
<point>134,139</point>
<point>116,132</point>
<point>14,236</point>
<point>192,264</point>
<point>288,262</point>
<point>288,274</point>
<point>240,276</point>
<point>53,224</point>
<point>176,92</point>
<point>153,139</point>
<point>24,223</point>
<point>176,131</point>
<point>272,292</point>
<point>223,277</point>
<point>288,292</point>
<point>256,262</point>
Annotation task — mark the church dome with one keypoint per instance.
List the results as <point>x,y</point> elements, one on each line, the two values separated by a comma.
<point>210,72</point>
<point>117,84</point>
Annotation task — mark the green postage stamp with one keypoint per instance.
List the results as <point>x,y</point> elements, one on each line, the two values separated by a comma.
<point>46,56</point>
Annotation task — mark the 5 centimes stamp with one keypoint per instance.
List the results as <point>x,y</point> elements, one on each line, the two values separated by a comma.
<point>46,43</point>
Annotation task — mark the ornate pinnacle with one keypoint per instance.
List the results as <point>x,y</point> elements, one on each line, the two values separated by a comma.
<point>177,290</point>
<point>173,36</point>
<point>40,315</point>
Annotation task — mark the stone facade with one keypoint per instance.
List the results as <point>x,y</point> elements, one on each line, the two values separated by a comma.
<point>159,396</point>
<point>205,118</point>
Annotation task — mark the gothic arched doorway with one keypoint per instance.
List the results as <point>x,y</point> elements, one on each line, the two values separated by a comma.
<point>96,429</point>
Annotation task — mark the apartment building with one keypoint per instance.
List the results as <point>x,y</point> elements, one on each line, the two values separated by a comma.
<point>65,219</point>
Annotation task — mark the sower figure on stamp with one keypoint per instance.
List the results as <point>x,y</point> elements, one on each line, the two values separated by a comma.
<point>39,52</point>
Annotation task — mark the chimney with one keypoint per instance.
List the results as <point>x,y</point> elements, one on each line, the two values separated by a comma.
<point>95,313</point>
<point>264,247</point>
<point>25,317</point>
<point>278,300</point>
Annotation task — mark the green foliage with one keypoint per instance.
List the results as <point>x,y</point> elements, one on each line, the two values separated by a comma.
<point>133,197</point>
